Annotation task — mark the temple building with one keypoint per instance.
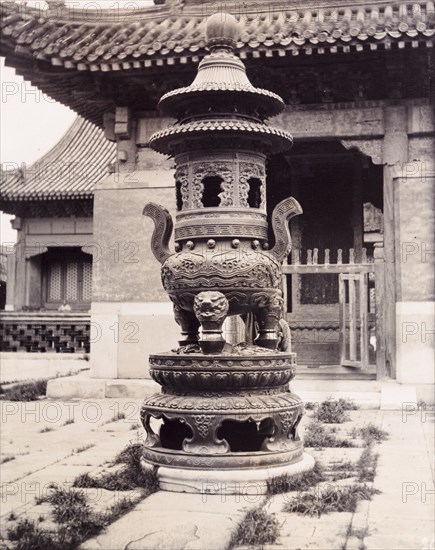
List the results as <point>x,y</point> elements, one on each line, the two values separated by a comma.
<point>358,86</point>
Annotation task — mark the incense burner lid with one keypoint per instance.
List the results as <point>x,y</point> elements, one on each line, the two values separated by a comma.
<point>221,84</point>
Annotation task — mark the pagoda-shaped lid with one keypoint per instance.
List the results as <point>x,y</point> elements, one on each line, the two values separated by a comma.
<point>221,81</point>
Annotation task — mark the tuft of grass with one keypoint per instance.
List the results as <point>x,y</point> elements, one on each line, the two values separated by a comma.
<point>333,411</point>
<point>367,465</point>
<point>83,448</point>
<point>76,522</point>
<point>120,508</point>
<point>316,435</point>
<point>131,476</point>
<point>115,418</point>
<point>45,430</point>
<point>28,391</point>
<point>135,426</point>
<point>7,459</point>
<point>360,534</point>
<point>344,470</point>
<point>300,482</point>
<point>28,536</point>
<point>68,422</point>
<point>12,516</point>
<point>330,499</point>
<point>257,527</point>
<point>371,433</point>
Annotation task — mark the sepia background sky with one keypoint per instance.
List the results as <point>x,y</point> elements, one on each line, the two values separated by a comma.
<point>31,123</point>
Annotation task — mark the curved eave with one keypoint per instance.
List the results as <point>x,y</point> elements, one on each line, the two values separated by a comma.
<point>177,101</point>
<point>171,34</point>
<point>194,133</point>
<point>70,170</point>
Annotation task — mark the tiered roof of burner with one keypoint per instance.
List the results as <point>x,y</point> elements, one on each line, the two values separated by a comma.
<point>221,100</point>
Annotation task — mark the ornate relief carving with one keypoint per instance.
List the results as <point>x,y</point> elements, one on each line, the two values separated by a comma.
<point>162,230</point>
<point>210,307</point>
<point>230,461</point>
<point>220,169</point>
<point>369,147</point>
<point>197,190</point>
<point>282,214</point>
<point>251,170</point>
<point>373,218</point>
<point>227,194</point>
<point>181,176</point>
<point>203,423</point>
<point>221,230</point>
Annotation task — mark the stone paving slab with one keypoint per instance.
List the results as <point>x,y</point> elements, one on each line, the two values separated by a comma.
<point>173,521</point>
<point>170,521</point>
<point>60,455</point>
<point>402,515</point>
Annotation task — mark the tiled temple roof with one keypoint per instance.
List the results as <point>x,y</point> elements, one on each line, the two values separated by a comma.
<point>174,32</point>
<point>69,170</point>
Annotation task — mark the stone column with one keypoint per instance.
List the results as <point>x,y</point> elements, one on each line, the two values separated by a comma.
<point>10,283</point>
<point>395,155</point>
<point>131,314</point>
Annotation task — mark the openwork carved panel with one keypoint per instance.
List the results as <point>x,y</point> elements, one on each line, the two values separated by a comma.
<point>248,170</point>
<point>223,170</point>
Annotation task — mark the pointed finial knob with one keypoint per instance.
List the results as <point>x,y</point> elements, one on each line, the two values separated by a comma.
<point>222,30</point>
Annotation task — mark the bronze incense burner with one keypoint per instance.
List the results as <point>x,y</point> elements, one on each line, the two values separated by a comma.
<point>222,407</point>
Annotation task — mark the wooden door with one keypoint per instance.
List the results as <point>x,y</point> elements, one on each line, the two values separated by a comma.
<point>353,320</point>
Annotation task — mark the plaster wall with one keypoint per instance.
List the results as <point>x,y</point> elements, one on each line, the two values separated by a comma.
<point>414,199</point>
<point>131,313</point>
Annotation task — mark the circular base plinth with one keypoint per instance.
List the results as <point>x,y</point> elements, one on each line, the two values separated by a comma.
<point>229,482</point>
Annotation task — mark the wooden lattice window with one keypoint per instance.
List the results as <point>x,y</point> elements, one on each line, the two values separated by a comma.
<point>68,279</point>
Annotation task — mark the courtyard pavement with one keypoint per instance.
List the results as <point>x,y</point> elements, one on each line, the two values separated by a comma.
<point>49,441</point>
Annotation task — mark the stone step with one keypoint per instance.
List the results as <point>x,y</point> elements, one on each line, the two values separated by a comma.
<point>368,394</point>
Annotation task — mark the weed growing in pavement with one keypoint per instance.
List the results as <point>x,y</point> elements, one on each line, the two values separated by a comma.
<point>330,499</point>
<point>83,448</point>
<point>115,418</point>
<point>28,391</point>
<point>367,464</point>
<point>131,476</point>
<point>370,433</point>
<point>334,411</point>
<point>45,430</point>
<point>7,459</point>
<point>343,470</point>
<point>68,422</point>
<point>316,435</point>
<point>28,536</point>
<point>76,522</point>
<point>257,527</point>
<point>300,482</point>
<point>360,534</point>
